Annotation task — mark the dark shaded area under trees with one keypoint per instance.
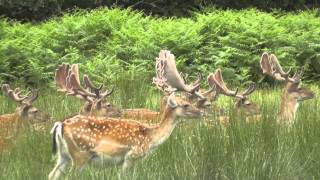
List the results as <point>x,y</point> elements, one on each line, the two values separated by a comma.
<point>35,10</point>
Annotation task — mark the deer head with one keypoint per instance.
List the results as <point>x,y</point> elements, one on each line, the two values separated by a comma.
<point>242,103</point>
<point>67,80</point>
<point>25,109</point>
<point>182,108</point>
<point>202,98</point>
<point>292,92</point>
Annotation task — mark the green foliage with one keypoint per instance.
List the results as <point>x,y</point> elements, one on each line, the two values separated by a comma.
<point>109,42</point>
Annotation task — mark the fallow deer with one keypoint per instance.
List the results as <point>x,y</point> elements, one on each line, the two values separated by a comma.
<point>98,140</point>
<point>243,105</point>
<point>68,81</point>
<point>25,113</point>
<point>203,98</point>
<point>166,71</point>
<point>292,93</point>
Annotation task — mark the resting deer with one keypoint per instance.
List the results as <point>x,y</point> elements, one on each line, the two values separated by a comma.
<point>243,105</point>
<point>67,80</point>
<point>292,93</point>
<point>166,71</point>
<point>203,98</point>
<point>10,124</point>
<point>98,140</point>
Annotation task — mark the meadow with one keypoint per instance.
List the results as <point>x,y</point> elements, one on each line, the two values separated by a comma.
<point>118,47</point>
<point>239,150</point>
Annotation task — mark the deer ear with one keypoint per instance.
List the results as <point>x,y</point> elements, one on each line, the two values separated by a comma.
<point>172,102</point>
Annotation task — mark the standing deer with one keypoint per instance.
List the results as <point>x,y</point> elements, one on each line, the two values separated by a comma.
<point>10,124</point>
<point>243,105</point>
<point>98,140</point>
<point>292,93</point>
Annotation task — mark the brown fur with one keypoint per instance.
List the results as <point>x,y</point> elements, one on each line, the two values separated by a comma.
<point>88,136</point>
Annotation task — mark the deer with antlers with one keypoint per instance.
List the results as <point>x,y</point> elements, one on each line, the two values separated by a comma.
<point>100,140</point>
<point>67,81</point>
<point>243,105</point>
<point>169,79</point>
<point>292,93</point>
<point>10,124</point>
<point>166,71</point>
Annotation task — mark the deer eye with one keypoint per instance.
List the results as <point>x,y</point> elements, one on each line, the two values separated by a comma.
<point>186,105</point>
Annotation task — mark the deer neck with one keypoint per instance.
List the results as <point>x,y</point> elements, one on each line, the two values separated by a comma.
<point>9,117</point>
<point>288,107</point>
<point>162,132</point>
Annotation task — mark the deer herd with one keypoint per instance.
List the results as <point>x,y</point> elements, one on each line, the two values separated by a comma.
<point>103,134</point>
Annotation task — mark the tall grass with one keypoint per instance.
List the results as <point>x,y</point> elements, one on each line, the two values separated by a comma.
<point>262,150</point>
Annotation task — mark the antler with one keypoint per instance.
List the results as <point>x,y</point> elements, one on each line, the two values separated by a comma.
<point>61,77</point>
<point>16,96</point>
<point>216,80</point>
<point>34,95</point>
<point>271,66</point>
<point>166,63</point>
<point>160,80</point>
<point>252,87</point>
<point>67,80</point>
<point>97,90</point>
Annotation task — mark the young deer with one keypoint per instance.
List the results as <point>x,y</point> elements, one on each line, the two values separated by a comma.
<point>243,105</point>
<point>292,93</point>
<point>10,124</point>
<point>101,141</point>
<point>67,80</point>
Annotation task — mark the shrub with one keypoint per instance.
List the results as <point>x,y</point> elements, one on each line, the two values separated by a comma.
<point>108,42</point>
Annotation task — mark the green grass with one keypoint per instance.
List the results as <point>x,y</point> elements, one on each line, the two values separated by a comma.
<point>260,150</point>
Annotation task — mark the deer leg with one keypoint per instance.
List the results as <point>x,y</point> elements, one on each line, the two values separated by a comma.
<point>127,164</point>
<point>60,167</point>
<point>129,159</point>
<point>79,159</point>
